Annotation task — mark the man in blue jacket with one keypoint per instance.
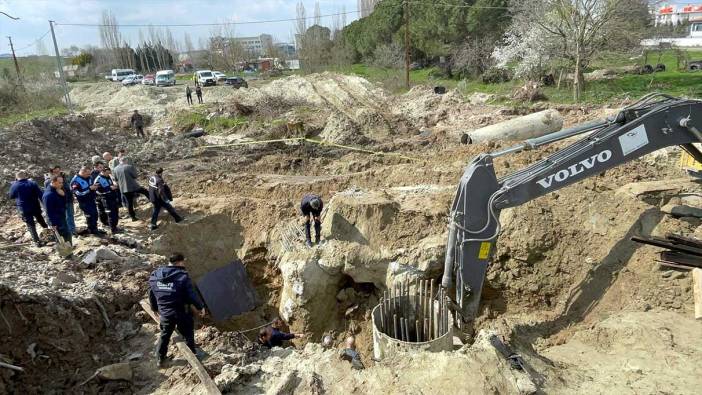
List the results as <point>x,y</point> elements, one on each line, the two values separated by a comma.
<point>56,171</point>
<point>84,191</point>
<point>27,195</point>
<point>54,199</point>
<point>172,295</point>
<point>108,208</point>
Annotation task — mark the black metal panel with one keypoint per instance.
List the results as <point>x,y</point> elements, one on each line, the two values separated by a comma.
<point>227,291</point>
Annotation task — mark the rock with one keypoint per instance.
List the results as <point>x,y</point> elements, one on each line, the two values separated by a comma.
<point>227,380</point>
<point>347,296</point>
<point>117,371</point>
<point>479,98</point>
<point>100,254</point>
<point>682,211</point>
<point>284,385</point>
<point>249,370</point>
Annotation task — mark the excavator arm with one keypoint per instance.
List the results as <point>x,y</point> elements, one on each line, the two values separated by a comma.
<point>654,122</point>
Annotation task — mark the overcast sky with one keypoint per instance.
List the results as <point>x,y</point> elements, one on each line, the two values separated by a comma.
<point>34,16</point>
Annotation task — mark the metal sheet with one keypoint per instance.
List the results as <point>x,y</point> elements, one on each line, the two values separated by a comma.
<point>227,291</point>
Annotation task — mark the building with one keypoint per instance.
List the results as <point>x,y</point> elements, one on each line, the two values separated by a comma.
<point>677,14</point>
<point>285,49</point>
<point>257,45</point>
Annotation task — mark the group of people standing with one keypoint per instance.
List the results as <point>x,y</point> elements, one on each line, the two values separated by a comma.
<point>100,190</point>
<point>189,94</point>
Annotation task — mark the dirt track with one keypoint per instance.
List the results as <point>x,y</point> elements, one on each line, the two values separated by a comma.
<point>586,307</point>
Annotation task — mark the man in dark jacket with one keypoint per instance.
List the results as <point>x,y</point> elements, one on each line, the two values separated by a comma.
<point>198,92</point>
<point>84,192</point>
<point>137,123</point>
<point>312,206</point>
<point>188,94</point>
<point>70,214</point>
<point>172,295</point>
<point>161,197</point>
<point>55,201</point>
<point>108,208</point>
<point>273,336</point>
<point>97,169</point>
<point>126,177</point>
<point>27,195</point>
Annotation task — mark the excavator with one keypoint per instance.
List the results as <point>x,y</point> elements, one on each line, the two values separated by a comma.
<point>653,122</point>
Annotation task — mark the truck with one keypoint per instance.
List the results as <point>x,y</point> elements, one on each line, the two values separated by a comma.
<point>165,77</point>
<point>204,78</point>
<point>120,74</point>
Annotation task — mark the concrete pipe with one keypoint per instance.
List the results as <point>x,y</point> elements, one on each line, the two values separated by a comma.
<point>521,128</point>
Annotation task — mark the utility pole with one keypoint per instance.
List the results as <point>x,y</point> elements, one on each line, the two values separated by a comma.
<point>19,77</point>
<point>60,68</point>
<point>407,44</point>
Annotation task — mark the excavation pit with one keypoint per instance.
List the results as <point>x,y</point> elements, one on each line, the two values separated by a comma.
<point>412,319</point>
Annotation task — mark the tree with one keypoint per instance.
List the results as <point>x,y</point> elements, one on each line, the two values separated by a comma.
<point>315,51</point>
<point>82,60</point>
<point>574,30</point>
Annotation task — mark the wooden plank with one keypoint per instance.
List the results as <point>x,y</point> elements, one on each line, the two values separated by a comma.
<point>697,292</point>
<point>680,239</point>
<point>674,265</point>
<point>205,378</point>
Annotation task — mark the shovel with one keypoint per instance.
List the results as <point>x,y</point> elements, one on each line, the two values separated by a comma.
<point>64,248</point>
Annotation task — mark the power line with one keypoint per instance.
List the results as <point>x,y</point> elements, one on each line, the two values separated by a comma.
<point>9,16</point>
<point>33,43</point>
<point>204,24</point>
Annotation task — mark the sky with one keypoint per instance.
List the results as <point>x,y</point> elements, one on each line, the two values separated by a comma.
<point>35,14</point>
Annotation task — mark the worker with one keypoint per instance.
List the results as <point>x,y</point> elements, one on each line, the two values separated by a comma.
<point>55,201</point>
<point>350,354</point>
<point>70,214</point>
<point>172,295</point>
<point>108,209</point>
<point>95,159</point>
<point>97,169</point>
<point>27,195</point>
<point>312,205</point>
<point>84,192</point>
<point>126,177</point>
<point>137,123</point>
<point>114,162</point>
<point>188,94</point>
<point>161,197</point>
<point>273,336</point>
<point>198,92</point>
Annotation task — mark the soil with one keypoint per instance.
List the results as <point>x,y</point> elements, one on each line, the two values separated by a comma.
<point>588,309</point>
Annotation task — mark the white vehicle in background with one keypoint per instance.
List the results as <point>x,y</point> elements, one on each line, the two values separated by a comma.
<point>204,78</point>
<point>133,79</point>
<point>120,74</point>
<point>165,77</point>
<point>219,76</point>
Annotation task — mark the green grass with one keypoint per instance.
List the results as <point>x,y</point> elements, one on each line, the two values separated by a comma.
<point>185,121</point>
<point>11,119</point>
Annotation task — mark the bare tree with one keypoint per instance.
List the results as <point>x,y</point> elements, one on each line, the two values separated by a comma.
<point>577,29</point>
<point>111,38</point>
<point>317,14</point>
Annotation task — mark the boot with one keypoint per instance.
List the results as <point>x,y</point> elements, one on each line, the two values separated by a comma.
<point>35,236</point>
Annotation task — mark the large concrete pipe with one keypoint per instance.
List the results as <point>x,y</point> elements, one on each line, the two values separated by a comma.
<point>520,128</point>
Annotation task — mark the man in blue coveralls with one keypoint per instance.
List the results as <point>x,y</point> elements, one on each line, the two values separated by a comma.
<point>173,296</point>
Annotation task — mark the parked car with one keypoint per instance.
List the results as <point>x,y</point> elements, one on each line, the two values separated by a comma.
<point>165,77</point>
<point>694,65</point>
<point>121,74</point>
<point>204,78</point>
<point>236,82</point>
<point>219,76</point>
<point>149,79</point>
<point>132,79</point>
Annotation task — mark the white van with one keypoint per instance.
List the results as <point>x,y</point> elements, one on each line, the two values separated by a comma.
<point>165,77</point>
<point>204,77</point>
<point>120,74</point>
